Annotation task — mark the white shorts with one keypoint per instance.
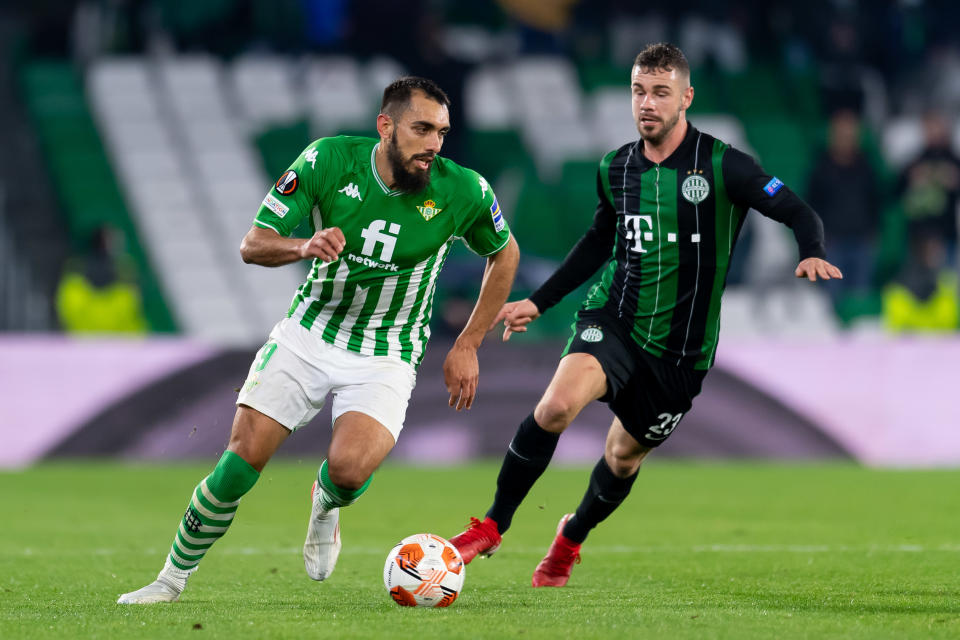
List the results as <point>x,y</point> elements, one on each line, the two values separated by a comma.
<point>294,371</point>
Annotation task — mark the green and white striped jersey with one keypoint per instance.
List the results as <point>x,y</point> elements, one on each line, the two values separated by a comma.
<point>377,297</point>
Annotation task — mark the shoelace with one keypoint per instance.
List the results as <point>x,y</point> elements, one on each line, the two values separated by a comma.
<point>473,530</point>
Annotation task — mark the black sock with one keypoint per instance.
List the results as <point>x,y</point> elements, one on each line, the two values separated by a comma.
<point>603,496</point>
<point>526,460</point>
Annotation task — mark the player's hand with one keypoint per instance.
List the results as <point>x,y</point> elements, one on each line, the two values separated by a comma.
<point>461,372</point>
<point>516,316</point>
<point>325,244</point>
<point>813,267</point>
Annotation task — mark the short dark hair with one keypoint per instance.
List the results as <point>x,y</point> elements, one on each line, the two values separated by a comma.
<point>396,96</point>
<point>662,56</point>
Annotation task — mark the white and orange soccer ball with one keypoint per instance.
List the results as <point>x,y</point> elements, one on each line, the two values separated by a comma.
<point>423,570</point>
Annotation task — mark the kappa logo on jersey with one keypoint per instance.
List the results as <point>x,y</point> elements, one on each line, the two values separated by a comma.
<point>311,157</point>
<point>497,216</point>
<point>288,183</point>
<point>634,232</point>
<point>351,190</point>
<point>484,185</point>
<point>695,188</point>
<point>275,205</point>
<point>773,186</point>
<point>429,209</point>
<point>373,235</point>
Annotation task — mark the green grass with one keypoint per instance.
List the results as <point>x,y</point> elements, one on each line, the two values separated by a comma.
<point>698,551</point>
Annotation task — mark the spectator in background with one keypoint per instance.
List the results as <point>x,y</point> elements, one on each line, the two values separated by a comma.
<point>419,49</point>
<point>544,25</point>
<point>924,297</point>
<point>325,23</point>
<point>843,190</point>
<point>929,189</point>
<point>98,292</point>
<point>841,68</point>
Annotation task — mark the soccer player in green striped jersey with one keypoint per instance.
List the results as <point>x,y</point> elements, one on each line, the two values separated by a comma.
<point>671,205</point>
<point>385,214</point>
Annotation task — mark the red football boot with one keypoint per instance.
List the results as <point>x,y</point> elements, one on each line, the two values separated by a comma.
<point>554,570</point>
<point>480,538</point>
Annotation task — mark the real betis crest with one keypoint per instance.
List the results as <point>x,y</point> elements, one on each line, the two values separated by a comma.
<point>695,188</point>
<point>429,209</point>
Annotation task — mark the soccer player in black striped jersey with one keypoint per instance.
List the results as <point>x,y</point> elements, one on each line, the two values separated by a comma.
<point>671,206</point>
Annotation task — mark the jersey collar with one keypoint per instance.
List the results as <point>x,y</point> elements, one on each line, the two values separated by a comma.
<point>683,150</point>
<point>376,176</point>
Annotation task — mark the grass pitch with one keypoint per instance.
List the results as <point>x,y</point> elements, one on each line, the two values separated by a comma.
<point>697,551</point>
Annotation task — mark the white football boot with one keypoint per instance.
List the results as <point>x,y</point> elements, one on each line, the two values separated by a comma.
<point>322,547</point>
<point>168,586</point>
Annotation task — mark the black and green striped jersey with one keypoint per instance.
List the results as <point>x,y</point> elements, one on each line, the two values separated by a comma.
<point>666,232</point>
<point>377,297</point>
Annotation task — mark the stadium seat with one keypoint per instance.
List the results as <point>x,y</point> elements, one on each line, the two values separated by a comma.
<point>550,112</point>
<point>902,140</point>
<point>487,100</point>
<point>263,88</point>
<point>611,118</point>
<point>377,74</point>
<point>788,311</point>
<point>725,127</point>
<point>188,169</point>
<point>336,96</point>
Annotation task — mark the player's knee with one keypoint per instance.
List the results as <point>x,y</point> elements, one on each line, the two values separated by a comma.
<point>346,476</point>
<point>252,454</point>
<point>554,413</point>
<point>624,461</point>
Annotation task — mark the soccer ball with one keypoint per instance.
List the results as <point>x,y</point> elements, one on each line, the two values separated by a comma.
<point>423,570</point>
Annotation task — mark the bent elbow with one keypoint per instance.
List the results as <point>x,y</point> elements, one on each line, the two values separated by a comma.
<point>246,251</point>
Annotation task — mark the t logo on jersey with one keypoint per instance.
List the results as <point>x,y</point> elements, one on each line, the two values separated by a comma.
<point>373,235</point>
<point>634,231</point>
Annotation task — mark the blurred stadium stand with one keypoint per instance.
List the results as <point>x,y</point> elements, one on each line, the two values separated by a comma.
<point>168,120</point>
<point>152,119</point>
<point>149,117</point>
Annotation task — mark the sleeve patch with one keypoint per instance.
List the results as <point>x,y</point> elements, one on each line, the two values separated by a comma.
<point>276,206</point>
<point>288,183</point>
<point>773,186</point>
<point>497,215</point>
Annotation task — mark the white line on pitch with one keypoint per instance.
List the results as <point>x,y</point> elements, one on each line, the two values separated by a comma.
<point>599,550</point>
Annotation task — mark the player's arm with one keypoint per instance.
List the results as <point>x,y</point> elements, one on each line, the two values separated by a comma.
<point>290,200</point>
<point>750,186</point>
<point>461,369</point>
<point>588,255</point>
<point>268,248</point>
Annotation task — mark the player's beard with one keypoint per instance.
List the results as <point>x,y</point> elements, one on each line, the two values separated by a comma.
<point>665,130</point>
<point>404,179</point>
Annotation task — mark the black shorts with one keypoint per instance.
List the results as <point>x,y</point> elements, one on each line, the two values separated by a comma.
<point>647,394</point>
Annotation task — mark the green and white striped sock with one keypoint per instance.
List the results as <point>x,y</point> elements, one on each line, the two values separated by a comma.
<point>332,496</point>
<point>211,510</point>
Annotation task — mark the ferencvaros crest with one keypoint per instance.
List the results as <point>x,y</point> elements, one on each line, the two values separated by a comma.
<point>695,188</point>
